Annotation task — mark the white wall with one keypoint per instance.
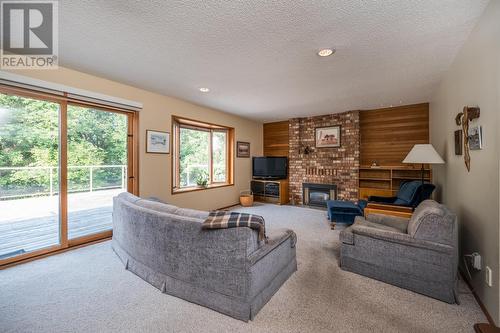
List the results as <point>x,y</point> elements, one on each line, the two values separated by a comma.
<point>473,79</point>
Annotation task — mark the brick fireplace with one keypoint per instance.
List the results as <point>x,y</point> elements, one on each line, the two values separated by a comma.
<point>308,164</point>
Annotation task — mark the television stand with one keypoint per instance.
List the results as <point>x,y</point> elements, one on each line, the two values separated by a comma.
<point>268,190</point>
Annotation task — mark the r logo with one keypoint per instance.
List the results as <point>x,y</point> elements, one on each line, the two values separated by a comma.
<point>27,27</point>
<point>29,34</point>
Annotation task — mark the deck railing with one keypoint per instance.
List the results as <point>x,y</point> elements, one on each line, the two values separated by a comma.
<point>48,180</point>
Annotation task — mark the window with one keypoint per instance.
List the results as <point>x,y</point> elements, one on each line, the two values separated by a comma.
<point>202,155</point>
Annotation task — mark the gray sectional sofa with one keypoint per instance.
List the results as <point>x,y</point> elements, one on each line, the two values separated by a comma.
<point>227,270</point>
<point>420,254</point>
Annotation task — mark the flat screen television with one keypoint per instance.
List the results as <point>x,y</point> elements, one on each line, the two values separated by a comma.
<point>270,167</point>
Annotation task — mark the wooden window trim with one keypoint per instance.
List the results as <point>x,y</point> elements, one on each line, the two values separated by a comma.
<point>227,155</point>
<point>181,122</point>
<point>132,160</point>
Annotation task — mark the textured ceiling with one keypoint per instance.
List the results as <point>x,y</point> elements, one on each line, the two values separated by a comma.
<point>259,57</point>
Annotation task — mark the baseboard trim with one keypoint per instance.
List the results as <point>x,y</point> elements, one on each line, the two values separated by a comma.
<point>478,300</point>
<point>226,207</point>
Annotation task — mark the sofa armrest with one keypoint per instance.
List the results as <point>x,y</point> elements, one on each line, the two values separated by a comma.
<point>400,238</point>
<point>274,240</point>
<point>385,206</point>
<point>397,222</point>
<point>394,210</point>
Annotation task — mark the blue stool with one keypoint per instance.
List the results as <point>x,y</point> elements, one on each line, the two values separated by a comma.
<point>344,211</point>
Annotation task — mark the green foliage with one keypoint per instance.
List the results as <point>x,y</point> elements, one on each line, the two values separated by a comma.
<point>29,137</point>
<point>202,179</point>
<point>195,156</point>
<point>219,156</point>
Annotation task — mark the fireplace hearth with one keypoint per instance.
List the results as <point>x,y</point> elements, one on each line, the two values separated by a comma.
<point>317,195</point>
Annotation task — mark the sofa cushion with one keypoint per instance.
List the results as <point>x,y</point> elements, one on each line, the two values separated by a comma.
<point>360,221</point>
<point>347,235</point>
<point>199,214</point>
<point>399,223</point>
<point>432,222</point>
<point>128,197</point>
<point>171,209</point>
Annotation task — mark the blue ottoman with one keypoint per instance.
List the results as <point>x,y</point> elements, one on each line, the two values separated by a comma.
<point>344,211</point>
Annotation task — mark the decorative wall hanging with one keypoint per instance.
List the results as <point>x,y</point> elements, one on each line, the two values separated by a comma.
<point>327,137</point>
<point>462,119</point>
<point>157,142</point>
<point>242,149</point>
<point>458,142</point>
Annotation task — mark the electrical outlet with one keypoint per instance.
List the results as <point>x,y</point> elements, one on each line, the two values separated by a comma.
<point>476,261</point>
<point>489,278</point>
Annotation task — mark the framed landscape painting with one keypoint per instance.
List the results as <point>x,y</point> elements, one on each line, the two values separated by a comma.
<point>242,149</point>
<point>157,142</point>
<point>328,137</point>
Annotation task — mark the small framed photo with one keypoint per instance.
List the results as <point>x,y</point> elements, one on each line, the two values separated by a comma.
<point>157,142</point>
<point>475,137</point>
<point>328,137</point>
<point>242,149</point>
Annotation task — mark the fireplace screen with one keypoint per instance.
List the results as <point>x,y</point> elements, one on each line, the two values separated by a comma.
<point>318,194</point>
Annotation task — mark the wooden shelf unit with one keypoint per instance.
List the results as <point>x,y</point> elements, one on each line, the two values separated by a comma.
<point>258,188</point>
<point>386,180</point>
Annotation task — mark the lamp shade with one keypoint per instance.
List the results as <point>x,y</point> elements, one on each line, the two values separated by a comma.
<point>423,153</point>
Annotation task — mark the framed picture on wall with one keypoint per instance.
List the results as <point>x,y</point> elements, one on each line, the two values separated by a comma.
<point>475,137</point>
<point>157,142</point>
<point>242,149</point>
<point>327,137</point>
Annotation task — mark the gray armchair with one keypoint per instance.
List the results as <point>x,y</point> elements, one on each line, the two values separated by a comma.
<point>419,254</point>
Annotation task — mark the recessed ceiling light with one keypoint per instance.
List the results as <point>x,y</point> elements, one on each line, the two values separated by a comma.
<point>204,90</point>
<point>326,52</point>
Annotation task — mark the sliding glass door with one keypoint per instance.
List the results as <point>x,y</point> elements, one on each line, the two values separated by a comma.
<point>61,164</point>
<point>97,168</point>
<point>29,175</point>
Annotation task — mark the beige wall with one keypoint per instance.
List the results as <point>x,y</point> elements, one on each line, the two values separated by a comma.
<point>473,79</point>
<point>154,169</point>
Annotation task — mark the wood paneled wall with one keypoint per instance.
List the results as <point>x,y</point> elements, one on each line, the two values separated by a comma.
<point>276,141</point>
<point>387,135</point>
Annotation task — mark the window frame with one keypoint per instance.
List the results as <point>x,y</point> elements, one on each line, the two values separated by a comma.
<point>181,122</point>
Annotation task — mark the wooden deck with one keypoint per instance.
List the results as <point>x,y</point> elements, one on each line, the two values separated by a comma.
<point>37,233</point>
<point>32,224</point>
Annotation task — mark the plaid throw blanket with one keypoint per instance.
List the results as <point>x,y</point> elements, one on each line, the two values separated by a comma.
<point>220,219</point>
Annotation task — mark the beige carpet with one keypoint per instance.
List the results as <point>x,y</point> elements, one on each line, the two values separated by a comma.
<point>88,290</point>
